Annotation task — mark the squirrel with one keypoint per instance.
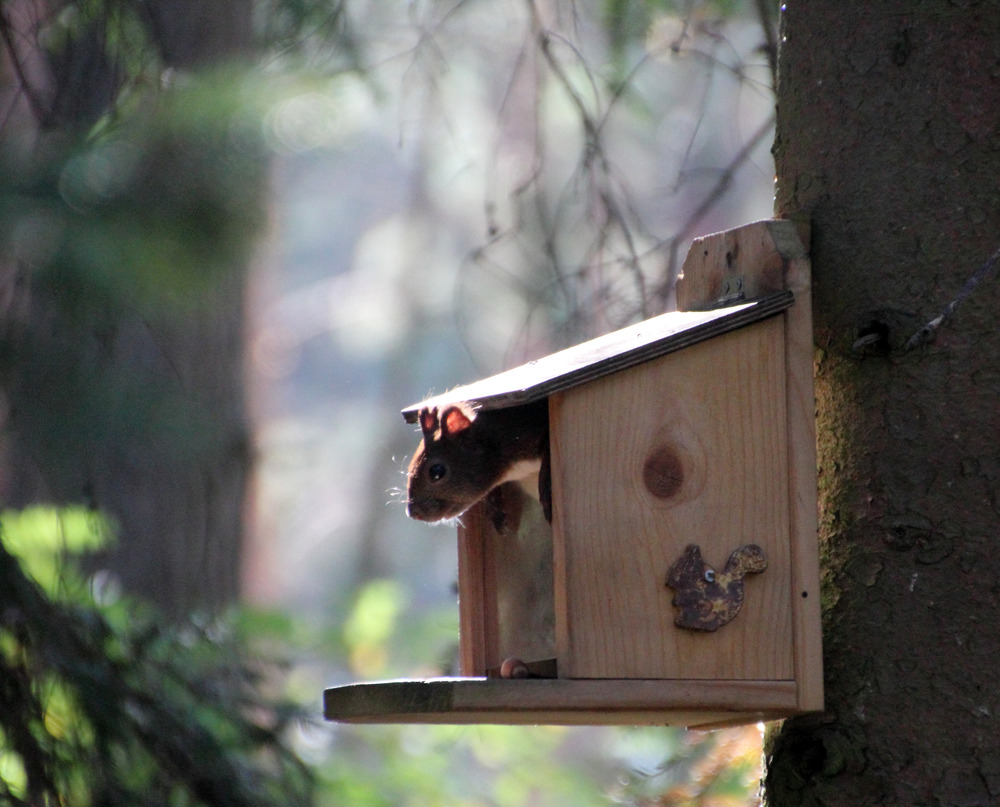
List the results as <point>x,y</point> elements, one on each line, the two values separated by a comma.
<point>467,452</point>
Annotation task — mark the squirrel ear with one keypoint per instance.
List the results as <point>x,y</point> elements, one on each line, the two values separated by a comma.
<point>428,420</point>
<point>453,420</point>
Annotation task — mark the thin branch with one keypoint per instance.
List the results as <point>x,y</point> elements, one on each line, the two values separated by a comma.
<point>7,35</point>
<point>764,15</point>
<point>687,229</point>
<point>594,153</point>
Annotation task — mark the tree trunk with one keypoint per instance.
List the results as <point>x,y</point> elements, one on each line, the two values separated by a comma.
<point>136,410</point>
<point>888,141</point>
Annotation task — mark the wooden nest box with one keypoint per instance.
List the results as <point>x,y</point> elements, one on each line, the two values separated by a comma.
<point>678,581</point>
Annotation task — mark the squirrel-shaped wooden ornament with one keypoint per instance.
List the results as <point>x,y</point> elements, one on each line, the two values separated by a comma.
<point>467,452</point>
<point>706,599</point>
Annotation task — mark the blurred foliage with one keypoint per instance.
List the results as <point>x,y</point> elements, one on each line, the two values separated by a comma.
<point>717,769</point>
<point>42,537</point>
<point>629,23</point>
<point>497,766</point>
<point>310,35</point>
<point>146,213</point>
<point>123,236</point>
<point>105,55</point>
<point>158,195</point>
<point>383,634</point>
<point>100,704</point>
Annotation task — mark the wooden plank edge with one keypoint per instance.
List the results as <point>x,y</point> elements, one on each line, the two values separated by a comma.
<point>748,254</point>
<point>472,590</point>
<point>560,593</point>
<point>801,408</point>
<point>706,721</point>
<point>561,702</point>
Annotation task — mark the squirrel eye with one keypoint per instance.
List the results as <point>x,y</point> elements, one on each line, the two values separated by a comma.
<point>437,471</point>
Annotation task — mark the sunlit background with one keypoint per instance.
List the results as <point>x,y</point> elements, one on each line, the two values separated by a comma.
<point>452,189</point>
<point>439,220</point>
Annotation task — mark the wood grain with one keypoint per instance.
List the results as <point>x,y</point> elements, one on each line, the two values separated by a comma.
<point>721,406</point>
<point>472,599</point>
<point>755,254</point>
<point>771,255</point>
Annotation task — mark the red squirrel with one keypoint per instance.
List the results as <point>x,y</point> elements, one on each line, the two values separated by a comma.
<point>466,453</point>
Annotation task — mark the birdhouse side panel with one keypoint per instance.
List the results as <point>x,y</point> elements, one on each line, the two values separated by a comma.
<point>505,581</point>
<point>688,449</point>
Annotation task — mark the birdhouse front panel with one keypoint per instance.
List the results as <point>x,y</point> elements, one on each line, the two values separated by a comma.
<point>687,449</point>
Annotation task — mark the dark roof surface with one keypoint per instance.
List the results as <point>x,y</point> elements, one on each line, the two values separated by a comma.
<point>606,354</point>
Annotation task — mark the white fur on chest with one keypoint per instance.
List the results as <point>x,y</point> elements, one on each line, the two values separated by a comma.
<point>521,469</point>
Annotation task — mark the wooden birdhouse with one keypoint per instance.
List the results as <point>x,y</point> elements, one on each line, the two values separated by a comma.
<point>678,579</point>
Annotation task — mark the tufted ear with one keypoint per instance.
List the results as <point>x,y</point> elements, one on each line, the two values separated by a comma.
<point>454,420</point>
<point>429,421</point>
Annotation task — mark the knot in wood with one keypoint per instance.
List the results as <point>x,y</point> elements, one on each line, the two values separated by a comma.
<point>663,473</point>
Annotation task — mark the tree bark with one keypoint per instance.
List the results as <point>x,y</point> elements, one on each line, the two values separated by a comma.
<point>136,410</point>
<point>888,142</point>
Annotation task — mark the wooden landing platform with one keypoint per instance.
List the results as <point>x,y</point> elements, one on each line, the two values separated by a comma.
<point>558,701</point>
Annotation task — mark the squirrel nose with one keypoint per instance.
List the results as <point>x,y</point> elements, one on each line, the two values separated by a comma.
<point>424,509</point>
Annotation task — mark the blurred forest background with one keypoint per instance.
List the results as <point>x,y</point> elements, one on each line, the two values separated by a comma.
<point>235,240</point>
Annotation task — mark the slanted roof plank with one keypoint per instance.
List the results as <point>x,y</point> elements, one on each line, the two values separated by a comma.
<point>605,355</point>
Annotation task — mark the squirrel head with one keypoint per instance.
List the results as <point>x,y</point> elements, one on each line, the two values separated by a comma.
<point>452,467</point>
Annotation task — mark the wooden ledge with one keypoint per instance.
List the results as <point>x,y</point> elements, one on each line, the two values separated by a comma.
<point>557,701</point>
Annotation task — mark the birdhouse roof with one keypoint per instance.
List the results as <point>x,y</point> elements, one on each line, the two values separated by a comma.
<point>605,355</point>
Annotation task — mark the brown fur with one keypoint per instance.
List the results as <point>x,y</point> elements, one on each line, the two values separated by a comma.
<point>466,453</point>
